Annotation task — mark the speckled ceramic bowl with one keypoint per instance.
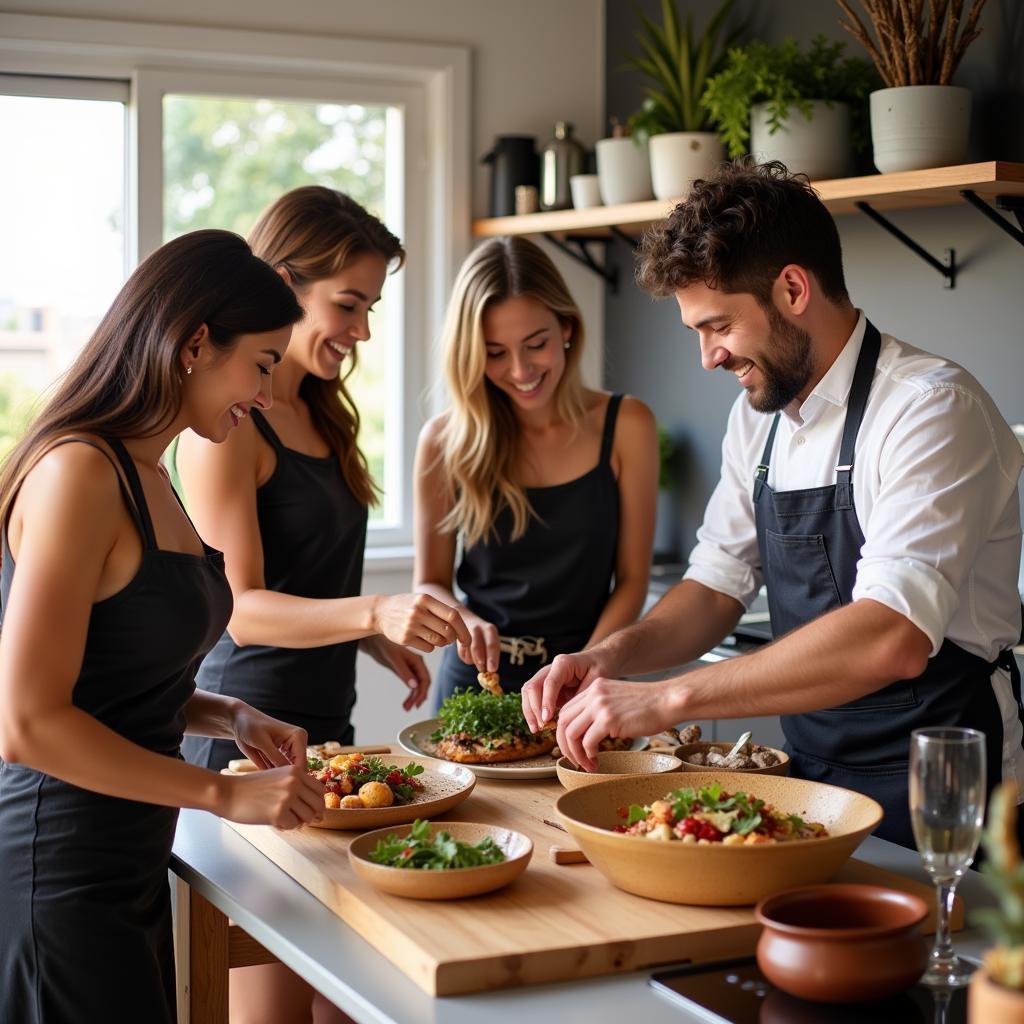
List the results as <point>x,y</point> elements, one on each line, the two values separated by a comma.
<point>613,764</point>
<point>684,751</point>
<point>716,875</point>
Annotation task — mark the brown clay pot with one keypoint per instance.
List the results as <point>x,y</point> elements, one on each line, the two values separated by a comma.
<point>988,1001</point>
<point>842,943</point>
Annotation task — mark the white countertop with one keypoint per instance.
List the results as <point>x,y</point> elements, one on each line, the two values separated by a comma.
<point>315,943</point>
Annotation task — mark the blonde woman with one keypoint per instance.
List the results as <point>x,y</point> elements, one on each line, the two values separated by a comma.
<point>550,486</point>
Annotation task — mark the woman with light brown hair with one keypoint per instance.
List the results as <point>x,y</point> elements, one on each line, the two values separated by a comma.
<point>549,485</point>
<point>286,499</point>
<point>110,598</point>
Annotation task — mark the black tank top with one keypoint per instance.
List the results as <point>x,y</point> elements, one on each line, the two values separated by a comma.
<point>85,905</point>
<point>313,531</point>
<point>553,581</point>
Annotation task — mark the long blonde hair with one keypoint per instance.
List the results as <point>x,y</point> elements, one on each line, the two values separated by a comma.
<point>480,437</point>
<point>313,232</point>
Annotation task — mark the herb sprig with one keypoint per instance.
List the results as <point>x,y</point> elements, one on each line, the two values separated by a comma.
<point>439,852</point>
<point>482,714</point>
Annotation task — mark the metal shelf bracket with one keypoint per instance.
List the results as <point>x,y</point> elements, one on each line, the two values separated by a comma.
<point>946,266</point>
<point>576,247</point>
<point>1015,204</point>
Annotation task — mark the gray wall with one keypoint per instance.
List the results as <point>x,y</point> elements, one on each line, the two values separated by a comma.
<point>650,355</point>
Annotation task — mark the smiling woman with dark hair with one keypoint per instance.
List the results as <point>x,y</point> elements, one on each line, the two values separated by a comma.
<point>110,599</point>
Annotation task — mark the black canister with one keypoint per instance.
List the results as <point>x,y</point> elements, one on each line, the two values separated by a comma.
<point>513,160</point>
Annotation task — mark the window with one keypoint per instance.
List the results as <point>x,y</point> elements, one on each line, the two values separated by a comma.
<point>62,207</point>
<point>225,158</point>
<point>424,90</point>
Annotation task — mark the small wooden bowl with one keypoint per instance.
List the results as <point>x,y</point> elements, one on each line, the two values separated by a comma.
<point>842,943</point>
<point>613,764</point>
<point>415,883</point>
<point>684,751</point>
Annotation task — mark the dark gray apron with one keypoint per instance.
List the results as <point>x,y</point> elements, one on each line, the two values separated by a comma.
<point>810,542</point>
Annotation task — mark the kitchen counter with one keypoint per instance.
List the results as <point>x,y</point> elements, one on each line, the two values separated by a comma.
<point>290,923</point>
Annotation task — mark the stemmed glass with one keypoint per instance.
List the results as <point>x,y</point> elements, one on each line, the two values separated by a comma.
<point>947,805</point>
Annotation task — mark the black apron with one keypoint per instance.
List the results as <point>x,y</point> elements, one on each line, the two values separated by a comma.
<point>85,915</point>
<point>313,531</point>
<point>553,582</point>
<point>810,542</point>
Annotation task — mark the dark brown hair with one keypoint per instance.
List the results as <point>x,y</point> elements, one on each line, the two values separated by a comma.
<point>126,381</point>
<point>737,230</point>
<point>313,232</point>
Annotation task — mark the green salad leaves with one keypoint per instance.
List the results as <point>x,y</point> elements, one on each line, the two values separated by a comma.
<point>439,852</point>
<point>744,809</point>
<point>483,715</point>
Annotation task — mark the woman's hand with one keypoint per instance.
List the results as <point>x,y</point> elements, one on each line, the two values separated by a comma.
<point>418,620</point>
<point>409,667</point>
<point>282,797</point>
<point>482,650</point>
<point>268,742</point>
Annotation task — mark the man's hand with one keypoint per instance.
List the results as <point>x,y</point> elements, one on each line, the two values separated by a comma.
<point>410,668</point>
<point>612,707</point>
<point>566,676</point>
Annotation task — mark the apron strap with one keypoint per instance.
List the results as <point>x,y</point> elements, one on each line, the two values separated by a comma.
<point>761,473</point>
<point>1007,661</point>
<point>862,377</point>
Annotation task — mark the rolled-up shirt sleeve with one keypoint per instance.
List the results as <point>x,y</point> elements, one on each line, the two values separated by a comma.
<point>946,484</point>
<point>726,557</point>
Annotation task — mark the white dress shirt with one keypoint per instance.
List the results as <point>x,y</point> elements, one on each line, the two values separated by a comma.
<point>934,486</point>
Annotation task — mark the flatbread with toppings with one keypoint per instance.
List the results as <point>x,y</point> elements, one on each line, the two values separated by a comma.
<point>478,727</point>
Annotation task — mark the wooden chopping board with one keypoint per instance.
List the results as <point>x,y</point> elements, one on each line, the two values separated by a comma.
<point>555,923</point>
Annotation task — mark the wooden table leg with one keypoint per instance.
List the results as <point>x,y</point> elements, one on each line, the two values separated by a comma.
<point>207,986</point>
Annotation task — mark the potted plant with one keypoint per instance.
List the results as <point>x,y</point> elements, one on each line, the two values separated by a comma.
<point>919,120</point>
<point>997,990</point>
<point>805,109</point>
<point>677,64</point>
<point>623,168</point>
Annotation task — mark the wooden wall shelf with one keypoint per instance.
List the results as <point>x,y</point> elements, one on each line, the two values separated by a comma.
<point>905,190</point>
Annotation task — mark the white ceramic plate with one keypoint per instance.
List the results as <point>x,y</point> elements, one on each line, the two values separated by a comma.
<point>415,739</point>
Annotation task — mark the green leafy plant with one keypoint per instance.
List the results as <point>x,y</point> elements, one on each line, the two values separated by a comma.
<point>678,63</point>
<point>481,714</point>
<point>785,78</point>
<point>439,852</point>
<point>1004,872</point>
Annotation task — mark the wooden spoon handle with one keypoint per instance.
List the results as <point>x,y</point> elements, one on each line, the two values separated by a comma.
<point>567,855</point>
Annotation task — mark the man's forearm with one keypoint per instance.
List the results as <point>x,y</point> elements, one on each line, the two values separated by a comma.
<point>844,655</point>
<point>689,620</point>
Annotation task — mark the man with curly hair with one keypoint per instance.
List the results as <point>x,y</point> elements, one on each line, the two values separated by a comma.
<point>870,486</point>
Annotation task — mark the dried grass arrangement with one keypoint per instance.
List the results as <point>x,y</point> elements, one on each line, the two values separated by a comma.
<point>915,42</point>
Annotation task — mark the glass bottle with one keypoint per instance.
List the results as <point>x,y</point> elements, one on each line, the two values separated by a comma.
<point>562,157</point>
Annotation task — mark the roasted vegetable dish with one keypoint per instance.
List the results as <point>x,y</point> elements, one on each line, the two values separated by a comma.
<point>712,815</point>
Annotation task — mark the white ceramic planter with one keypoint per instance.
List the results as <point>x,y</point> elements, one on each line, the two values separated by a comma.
<point>818,147</point>
<point>918,126</point>
<point>623,171</point>
<point>677,158</point>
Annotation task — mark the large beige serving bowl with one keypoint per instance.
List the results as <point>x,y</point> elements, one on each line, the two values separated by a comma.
<point>716,875</point>
<point>453,884</point>
<point>703,746</point>
<point>614,764</point>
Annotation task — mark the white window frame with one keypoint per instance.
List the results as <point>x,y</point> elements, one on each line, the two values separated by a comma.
<point>431,82</point>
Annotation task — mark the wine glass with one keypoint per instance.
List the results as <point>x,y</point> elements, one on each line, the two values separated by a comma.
<point>947,804</point>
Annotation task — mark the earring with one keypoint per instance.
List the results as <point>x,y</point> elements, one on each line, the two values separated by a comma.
<point>188,370</point>
<point>565,344</point>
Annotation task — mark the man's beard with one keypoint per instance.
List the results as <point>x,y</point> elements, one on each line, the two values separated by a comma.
<point>787,370</point>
